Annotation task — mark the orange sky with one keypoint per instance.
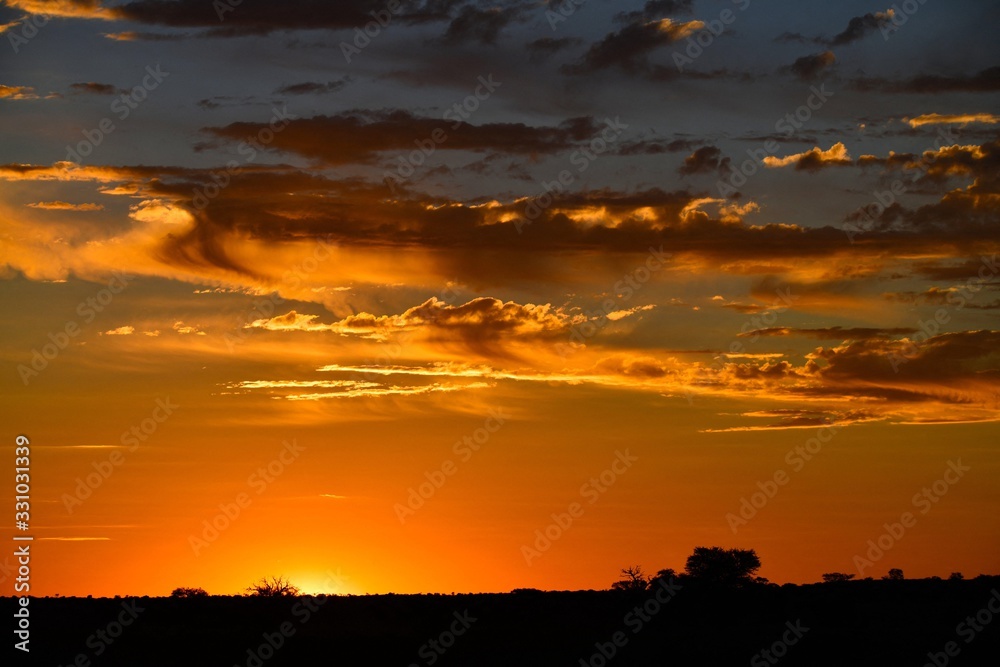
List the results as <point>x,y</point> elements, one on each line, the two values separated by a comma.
<point>334,505</point>
<point>558,280</point>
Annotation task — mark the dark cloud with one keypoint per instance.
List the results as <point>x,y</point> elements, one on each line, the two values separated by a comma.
<point>546,47</point>
<point>498,238</point>
<point>809,67</point>
<point>145,36</point>
<point>495,164</point>
<point>656,9</point>
<point>311,88</point>
<point>263,16</point>
<point>481,25</point>
<point>705,160</point>
<point>970,269</point>
<point>958,297</point>
<point>358,137</point>
<point>905,377</point>
<point>746,308</point>
<point>800,418</point>
<point>981,162</point>
<point>793,38</point>
<point>629,48</point>
<point>941,359</point>
<point>860,26</point>
<point>359,213</point>
<point>212,103</point>
<point>656,146</point>
<point>970,213</point>
<point>832,333</point>
<point>987,80</point>
<point>92,88</point>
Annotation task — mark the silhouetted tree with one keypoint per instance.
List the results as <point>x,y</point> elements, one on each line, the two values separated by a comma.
<point>833,577</point>
<point>955,576</point>
<point>275,587</point>
<point>632,579</point>
<point>666,573</point>
<point>895,574</point>
<point>184,592</point>
<point>726,567</point>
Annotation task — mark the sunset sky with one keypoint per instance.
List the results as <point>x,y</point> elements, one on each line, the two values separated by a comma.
<point>400,296</point>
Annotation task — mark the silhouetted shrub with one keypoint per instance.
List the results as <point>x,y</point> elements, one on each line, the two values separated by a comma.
<point>184,592</point>
<point>275,587</point>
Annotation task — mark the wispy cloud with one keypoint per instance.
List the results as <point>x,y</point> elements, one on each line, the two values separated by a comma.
<point>953,119</point>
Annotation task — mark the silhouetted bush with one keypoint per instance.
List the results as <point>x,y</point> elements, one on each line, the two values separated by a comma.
<point>275,587</point>
<point>183,592</point>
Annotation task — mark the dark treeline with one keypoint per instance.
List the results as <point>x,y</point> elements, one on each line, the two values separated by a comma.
<point>854,623</point>
<point>715,612</point>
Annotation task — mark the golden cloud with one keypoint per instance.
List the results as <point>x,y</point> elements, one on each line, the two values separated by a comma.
<point>813,159</point>
<point>65,206</point>
<point>952,119</point>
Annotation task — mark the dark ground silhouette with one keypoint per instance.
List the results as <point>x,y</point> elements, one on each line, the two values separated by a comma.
<point>877,622</point>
